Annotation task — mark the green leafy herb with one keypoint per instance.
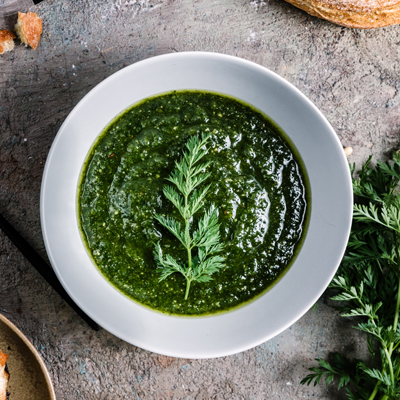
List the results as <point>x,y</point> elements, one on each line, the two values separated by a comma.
<point>368,287</point>
<point>187,176</point>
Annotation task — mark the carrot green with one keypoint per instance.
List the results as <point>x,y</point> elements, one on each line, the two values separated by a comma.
<point>368,288</point>
<point>187,176</point>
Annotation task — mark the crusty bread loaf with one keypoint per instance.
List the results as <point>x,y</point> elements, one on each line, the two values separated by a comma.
<point>364,14</point>
<point>6,41</point>
<point>29,28</point>
<point>4,376</point>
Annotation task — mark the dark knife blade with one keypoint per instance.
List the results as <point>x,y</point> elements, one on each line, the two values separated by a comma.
<point>43,268</point>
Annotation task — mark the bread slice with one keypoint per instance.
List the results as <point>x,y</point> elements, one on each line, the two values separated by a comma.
<point>364,14</point>
<point>6,41</point>
<point>4,376</point>
<point>29,28</point>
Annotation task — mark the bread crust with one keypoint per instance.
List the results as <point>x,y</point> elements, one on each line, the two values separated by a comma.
<point>6,41</point>
<point>362,14</point>
<point>29,28</point>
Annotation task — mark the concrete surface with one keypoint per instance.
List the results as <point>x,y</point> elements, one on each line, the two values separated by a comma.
<point>351,75</point>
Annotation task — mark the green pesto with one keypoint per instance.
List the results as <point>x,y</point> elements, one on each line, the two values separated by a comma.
<point>258,186</point>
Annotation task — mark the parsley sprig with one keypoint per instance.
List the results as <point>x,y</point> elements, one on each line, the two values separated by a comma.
<point>189,199</point>
<point>368,287</point>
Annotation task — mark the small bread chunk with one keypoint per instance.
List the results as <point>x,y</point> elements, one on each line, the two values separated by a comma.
<point>4,376</point>
<point>6,43</point>
<point>29,28</point>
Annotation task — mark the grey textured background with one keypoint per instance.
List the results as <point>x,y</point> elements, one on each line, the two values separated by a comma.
<point>352,77</point>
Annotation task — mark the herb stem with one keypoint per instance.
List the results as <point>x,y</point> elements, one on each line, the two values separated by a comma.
<point>373,394</point>
<point>396,314</point>
<point>187,288</point>
<point>189,251</point>
<point>187,238</point>
<point>389,359</point>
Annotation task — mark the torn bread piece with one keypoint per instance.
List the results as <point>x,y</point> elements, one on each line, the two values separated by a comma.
<point>363,14</point>
<point>6,42</point>
<point>4,376</point>
<point>29,28</point>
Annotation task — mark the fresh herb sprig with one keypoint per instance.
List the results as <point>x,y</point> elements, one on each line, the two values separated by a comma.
<point>368,285</point>
<point>187,177</point>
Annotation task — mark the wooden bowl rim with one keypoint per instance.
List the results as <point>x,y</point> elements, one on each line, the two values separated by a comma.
<point>35,353</point>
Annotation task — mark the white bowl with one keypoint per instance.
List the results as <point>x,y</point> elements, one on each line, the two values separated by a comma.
<point>284,303</point>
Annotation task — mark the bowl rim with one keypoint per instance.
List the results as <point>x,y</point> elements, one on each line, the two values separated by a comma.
<point>178,57</point>
<point>36,354</point>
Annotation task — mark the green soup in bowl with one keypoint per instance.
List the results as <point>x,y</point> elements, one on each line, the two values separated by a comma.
<point>257,185</point>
